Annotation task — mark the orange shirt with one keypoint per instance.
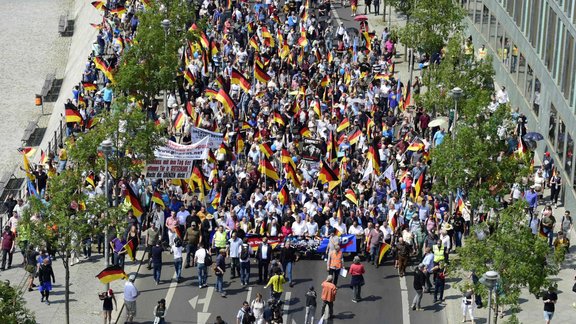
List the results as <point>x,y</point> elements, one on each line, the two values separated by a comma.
<point>328,291</point>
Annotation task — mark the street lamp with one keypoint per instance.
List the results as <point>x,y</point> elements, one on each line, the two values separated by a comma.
<point>490,279</point>
<point>166,25</point>
<point>456,94</point>
<point>106,148</point>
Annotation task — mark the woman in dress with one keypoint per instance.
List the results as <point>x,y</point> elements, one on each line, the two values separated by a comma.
<point>257,307</point>
<point>107,306</point>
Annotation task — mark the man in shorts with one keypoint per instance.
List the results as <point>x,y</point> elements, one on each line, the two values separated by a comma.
<point>130,295</point>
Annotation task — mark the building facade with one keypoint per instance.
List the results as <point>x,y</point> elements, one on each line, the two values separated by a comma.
<point>532,43</point>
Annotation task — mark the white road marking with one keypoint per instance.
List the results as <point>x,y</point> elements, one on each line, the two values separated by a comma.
<point>287,296</point>
<point>203,317</point>
<point>206,300</point>
<point>405,301</point>
<point>171,291</point>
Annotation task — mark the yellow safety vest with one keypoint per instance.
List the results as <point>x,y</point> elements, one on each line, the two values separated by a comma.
<point>514,51</point>
<point>482,54</point>
<point>220,239</point>
<point>469,49</point>
<point>438,253</point>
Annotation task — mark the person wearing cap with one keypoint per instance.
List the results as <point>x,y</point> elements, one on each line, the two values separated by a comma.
<point>328,296</point>
<point>131,293</point>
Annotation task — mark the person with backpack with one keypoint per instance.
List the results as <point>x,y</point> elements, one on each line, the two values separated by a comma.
<point>160,312</point>
<point>310,306</point>
<point>257,306</point>
<point>244,263</point>
<point>245,315</point>
<point>203,261</point>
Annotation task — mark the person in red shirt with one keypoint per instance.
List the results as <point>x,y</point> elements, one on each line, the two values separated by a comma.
<point>8,244</point>
<point>357,278</point>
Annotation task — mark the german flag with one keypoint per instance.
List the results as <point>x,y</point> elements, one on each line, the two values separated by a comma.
<point>216,201</point>
<point>284,51</point>
<point>28,151</point>
<point>345,123</point>
<point>375,158</point>
<point>205,62</point>
<point>332,148</point>
<point>315,104</point>
<point>245,125</point>
<point>73,116</point>
<point>290,169</point>
<point>326,174</point>
<point>268,170</point>
<point>260,75</point>
<point>265,148</point>
<point>190,78</point>
<point>211,158</point>
<point>407,95</point>
<point>103,66</point>
<point>368,39</point>
<point>157,199</point>
<point>295,108</point>
<point>415,146</point>
<point>254,43</point>
<point>43,157</point>
<point>369,125</point>
<point>279,119</point>
<point>178,231</point>
<point>305,132</point>
<point>541,232</point>
<point>284,196</point>
<point>418,186</point>
<point>349,193</point>
<point>265,32</point>
<point>214,50</point>
<point>330,57</point>
<point>285,156</point>
<point>355,137</point>
<point>239,143</point>
<point>304,14</point>
<point>119,10</point>
<point>204,40</point>
<point>179,120</point>
<point>89,86</point>
<point>325,81</point>
<point>92,122</point>
<point>97,26</point>
<point>81,101</point>
<point>111,273</point>
<point>90,180</point>
<point>130,248</point>
<point>100,5</point>
<point>302,41</point>
<point>257,136</point>
<point>210,93</point>
<point>238,78</point>
<point>133,201</point>
<point>227,102</point>
<point>382,76</point>
<point>383,249</point>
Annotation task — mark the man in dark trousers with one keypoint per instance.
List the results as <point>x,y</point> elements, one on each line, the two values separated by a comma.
<point>264,255</point>
<point>419,282</point>
<point>156,261</point>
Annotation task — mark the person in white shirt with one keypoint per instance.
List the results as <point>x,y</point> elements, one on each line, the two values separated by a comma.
<point>130,295</point>
<point>311,226</point>
<point>182,215</point>
<point>502,96</point>
<point>176,249</point>
<point>199,260</point>
<point>298,227</point>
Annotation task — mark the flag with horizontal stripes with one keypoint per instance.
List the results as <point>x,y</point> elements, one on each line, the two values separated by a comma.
<point>216,201</point>
<point>239,143</point>
<point>351,195</point>
<point>111,273</point>
<point>326,174</point>
<point>260,75</point>
<point>73,116</point>
<point>43,157</point>
<point>284,196</point>
<point>90,180</point>
<point>305,132</point>
<point>291,174</point>
<point>227,102</point>
<point>88,86</point>
<point>103,66</point>
<point>266,168</point>
<point>100,5</point>
<point>279,119</point>
<point>28,151</point>
<point>384,247</point>
<point>130,248</point>
<point>236,77</point>
<point>133,200</point>
<point>345,123</point>
<point>119,10</point>
<point>265,148</point>
<point>157,199</point>
<point>354,137</point>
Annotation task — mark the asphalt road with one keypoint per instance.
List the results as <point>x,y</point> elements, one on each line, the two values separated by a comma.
<point>384,301</point>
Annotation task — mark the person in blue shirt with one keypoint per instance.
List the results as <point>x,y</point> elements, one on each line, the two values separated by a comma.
<point>439,137</point>
<point>531,197</point>
<point>107,95</point>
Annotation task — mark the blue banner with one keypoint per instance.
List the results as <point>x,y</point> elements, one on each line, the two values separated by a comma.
<point>347,244</point>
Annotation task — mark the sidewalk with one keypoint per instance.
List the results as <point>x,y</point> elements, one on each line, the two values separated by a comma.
<point>85,307</point>
<point>531,308</point>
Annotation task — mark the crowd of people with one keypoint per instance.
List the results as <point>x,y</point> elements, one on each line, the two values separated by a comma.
<point>320,139</point>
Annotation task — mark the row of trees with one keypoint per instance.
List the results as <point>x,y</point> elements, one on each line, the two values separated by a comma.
<point>146,68</point>
<point>475,160</point>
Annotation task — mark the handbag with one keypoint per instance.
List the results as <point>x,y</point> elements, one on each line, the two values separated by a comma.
<point>343,272</point>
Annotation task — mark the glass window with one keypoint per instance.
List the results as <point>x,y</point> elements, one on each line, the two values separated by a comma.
<point>535,23</point>
<point>529,88</point>
<point>514,55</point>
<point>535,100</point>
<point>518,9</point>
<point>569,154</point>
<point>550,39</point>
<point>498,40</point>
<point>561,139</point>
<point>552,125</point>
<point>506,52</point>
<point>510,7</point>
<point>567,81</point>
<point>521,77</point>
<point>558,63</point>
<point>485,21</point>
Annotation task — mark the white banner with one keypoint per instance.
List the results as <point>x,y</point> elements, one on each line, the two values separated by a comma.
<point>175,161</point>
<point>214,139</point>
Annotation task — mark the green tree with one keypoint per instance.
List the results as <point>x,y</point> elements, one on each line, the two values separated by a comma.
<point>431,24</point>
<point>507,245</point>
<point>13,306</point>
<point>64,220</point>
<point>151,64</point>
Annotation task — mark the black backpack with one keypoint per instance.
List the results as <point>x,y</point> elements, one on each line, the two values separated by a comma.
<point>248,317</point>
<point>208,259</point>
